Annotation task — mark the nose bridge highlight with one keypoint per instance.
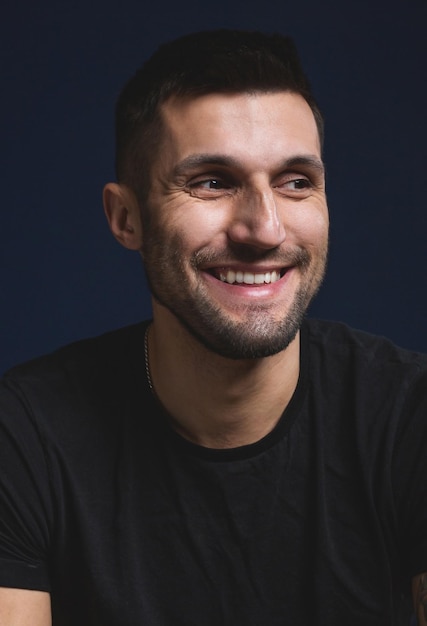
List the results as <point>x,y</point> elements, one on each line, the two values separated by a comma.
<point>257,220</point>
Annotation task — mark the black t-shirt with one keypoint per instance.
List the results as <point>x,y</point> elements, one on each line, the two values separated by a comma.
<point>323,521</point>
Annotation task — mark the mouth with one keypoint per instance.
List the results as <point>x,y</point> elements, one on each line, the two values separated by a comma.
<point>238,277</point>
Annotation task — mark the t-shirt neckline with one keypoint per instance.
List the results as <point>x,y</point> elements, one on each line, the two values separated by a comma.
<point>252,450</point>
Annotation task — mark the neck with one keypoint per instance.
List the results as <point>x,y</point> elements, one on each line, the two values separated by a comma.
<point>214,401</point>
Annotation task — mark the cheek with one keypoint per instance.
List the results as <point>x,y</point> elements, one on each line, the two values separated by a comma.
<point>311,230</point>
<point>197,227</point>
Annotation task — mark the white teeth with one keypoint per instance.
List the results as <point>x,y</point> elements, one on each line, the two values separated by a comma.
<point>231,277</point>
<point>249,278</point>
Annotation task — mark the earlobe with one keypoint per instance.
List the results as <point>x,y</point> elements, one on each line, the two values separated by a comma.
<point>123,215</point>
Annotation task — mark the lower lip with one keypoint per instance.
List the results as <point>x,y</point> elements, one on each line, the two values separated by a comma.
<point>242,290</point>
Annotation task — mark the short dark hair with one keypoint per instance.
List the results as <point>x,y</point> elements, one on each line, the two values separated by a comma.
<point>219,61</point>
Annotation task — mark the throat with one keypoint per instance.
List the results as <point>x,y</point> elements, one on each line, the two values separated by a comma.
<point>227,434</point>
<point>214,401</point>
<point>238,409</point>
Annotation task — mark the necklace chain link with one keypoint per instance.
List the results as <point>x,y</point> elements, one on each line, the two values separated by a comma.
<point>147,359</point>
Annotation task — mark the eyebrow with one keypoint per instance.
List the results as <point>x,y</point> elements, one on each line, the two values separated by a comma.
<point>196,160</point>
<point>309,160</point>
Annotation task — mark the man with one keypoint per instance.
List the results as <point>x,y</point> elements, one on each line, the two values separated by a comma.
<point>228,462</point>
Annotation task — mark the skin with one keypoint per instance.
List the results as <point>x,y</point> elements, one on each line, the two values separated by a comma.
<point>239,186</point>
<point>225,202</point>
<point>22,607</point>
<point>419,593</point>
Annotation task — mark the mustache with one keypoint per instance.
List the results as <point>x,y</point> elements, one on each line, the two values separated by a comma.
<point>295,256</point>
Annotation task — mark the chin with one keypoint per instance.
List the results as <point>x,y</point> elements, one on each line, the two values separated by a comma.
<point>254,339</point>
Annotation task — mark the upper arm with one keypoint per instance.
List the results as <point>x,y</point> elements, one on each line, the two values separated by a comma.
<point>26,505</point>
<point>24,607</point>
<point>419,594</point>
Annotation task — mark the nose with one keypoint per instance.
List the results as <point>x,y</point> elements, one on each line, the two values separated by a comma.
<point>256,221</point>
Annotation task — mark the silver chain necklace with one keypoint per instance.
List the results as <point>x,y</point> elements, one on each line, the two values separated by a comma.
<point>147,360</point>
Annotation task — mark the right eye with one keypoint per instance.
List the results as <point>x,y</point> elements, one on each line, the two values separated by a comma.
<point>208,187</point>
<point>210,183</point>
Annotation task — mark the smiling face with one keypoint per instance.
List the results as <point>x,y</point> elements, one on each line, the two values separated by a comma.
<point>235,227</point>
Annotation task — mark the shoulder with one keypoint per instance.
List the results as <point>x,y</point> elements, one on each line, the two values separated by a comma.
<point>346,347</point>
<point>123,344</point>
<point>377,385</point>
<point>92,358</point>
<point>76,378</point>
<point>353,339</point>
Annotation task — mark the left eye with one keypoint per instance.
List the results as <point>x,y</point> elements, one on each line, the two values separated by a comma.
<point>298,187</point>
<point>298,183</point>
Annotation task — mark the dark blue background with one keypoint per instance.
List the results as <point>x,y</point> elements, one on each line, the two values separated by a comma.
<point>63,276</point>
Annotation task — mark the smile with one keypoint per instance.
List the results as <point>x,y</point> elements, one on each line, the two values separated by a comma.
<point>248,278</point>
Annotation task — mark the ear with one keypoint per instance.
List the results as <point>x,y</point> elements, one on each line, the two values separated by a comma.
<point>123,215</point>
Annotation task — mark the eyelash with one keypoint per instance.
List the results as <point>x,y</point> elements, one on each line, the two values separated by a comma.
<point>224,185</point>
<point>216,179</point>
<point>299,180</point>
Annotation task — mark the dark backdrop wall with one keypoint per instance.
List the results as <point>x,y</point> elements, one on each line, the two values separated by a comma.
<point>63,276</point>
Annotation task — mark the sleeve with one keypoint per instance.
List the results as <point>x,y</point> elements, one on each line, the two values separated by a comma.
<point>410,479</point>
<point>25,501</point>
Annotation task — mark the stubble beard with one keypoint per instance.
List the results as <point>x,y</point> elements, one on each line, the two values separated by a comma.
<point>259,335</point>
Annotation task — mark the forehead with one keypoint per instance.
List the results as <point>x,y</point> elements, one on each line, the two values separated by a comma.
<point>240,124</point>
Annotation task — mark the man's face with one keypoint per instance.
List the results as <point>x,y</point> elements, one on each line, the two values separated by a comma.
<point>235,228</point>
